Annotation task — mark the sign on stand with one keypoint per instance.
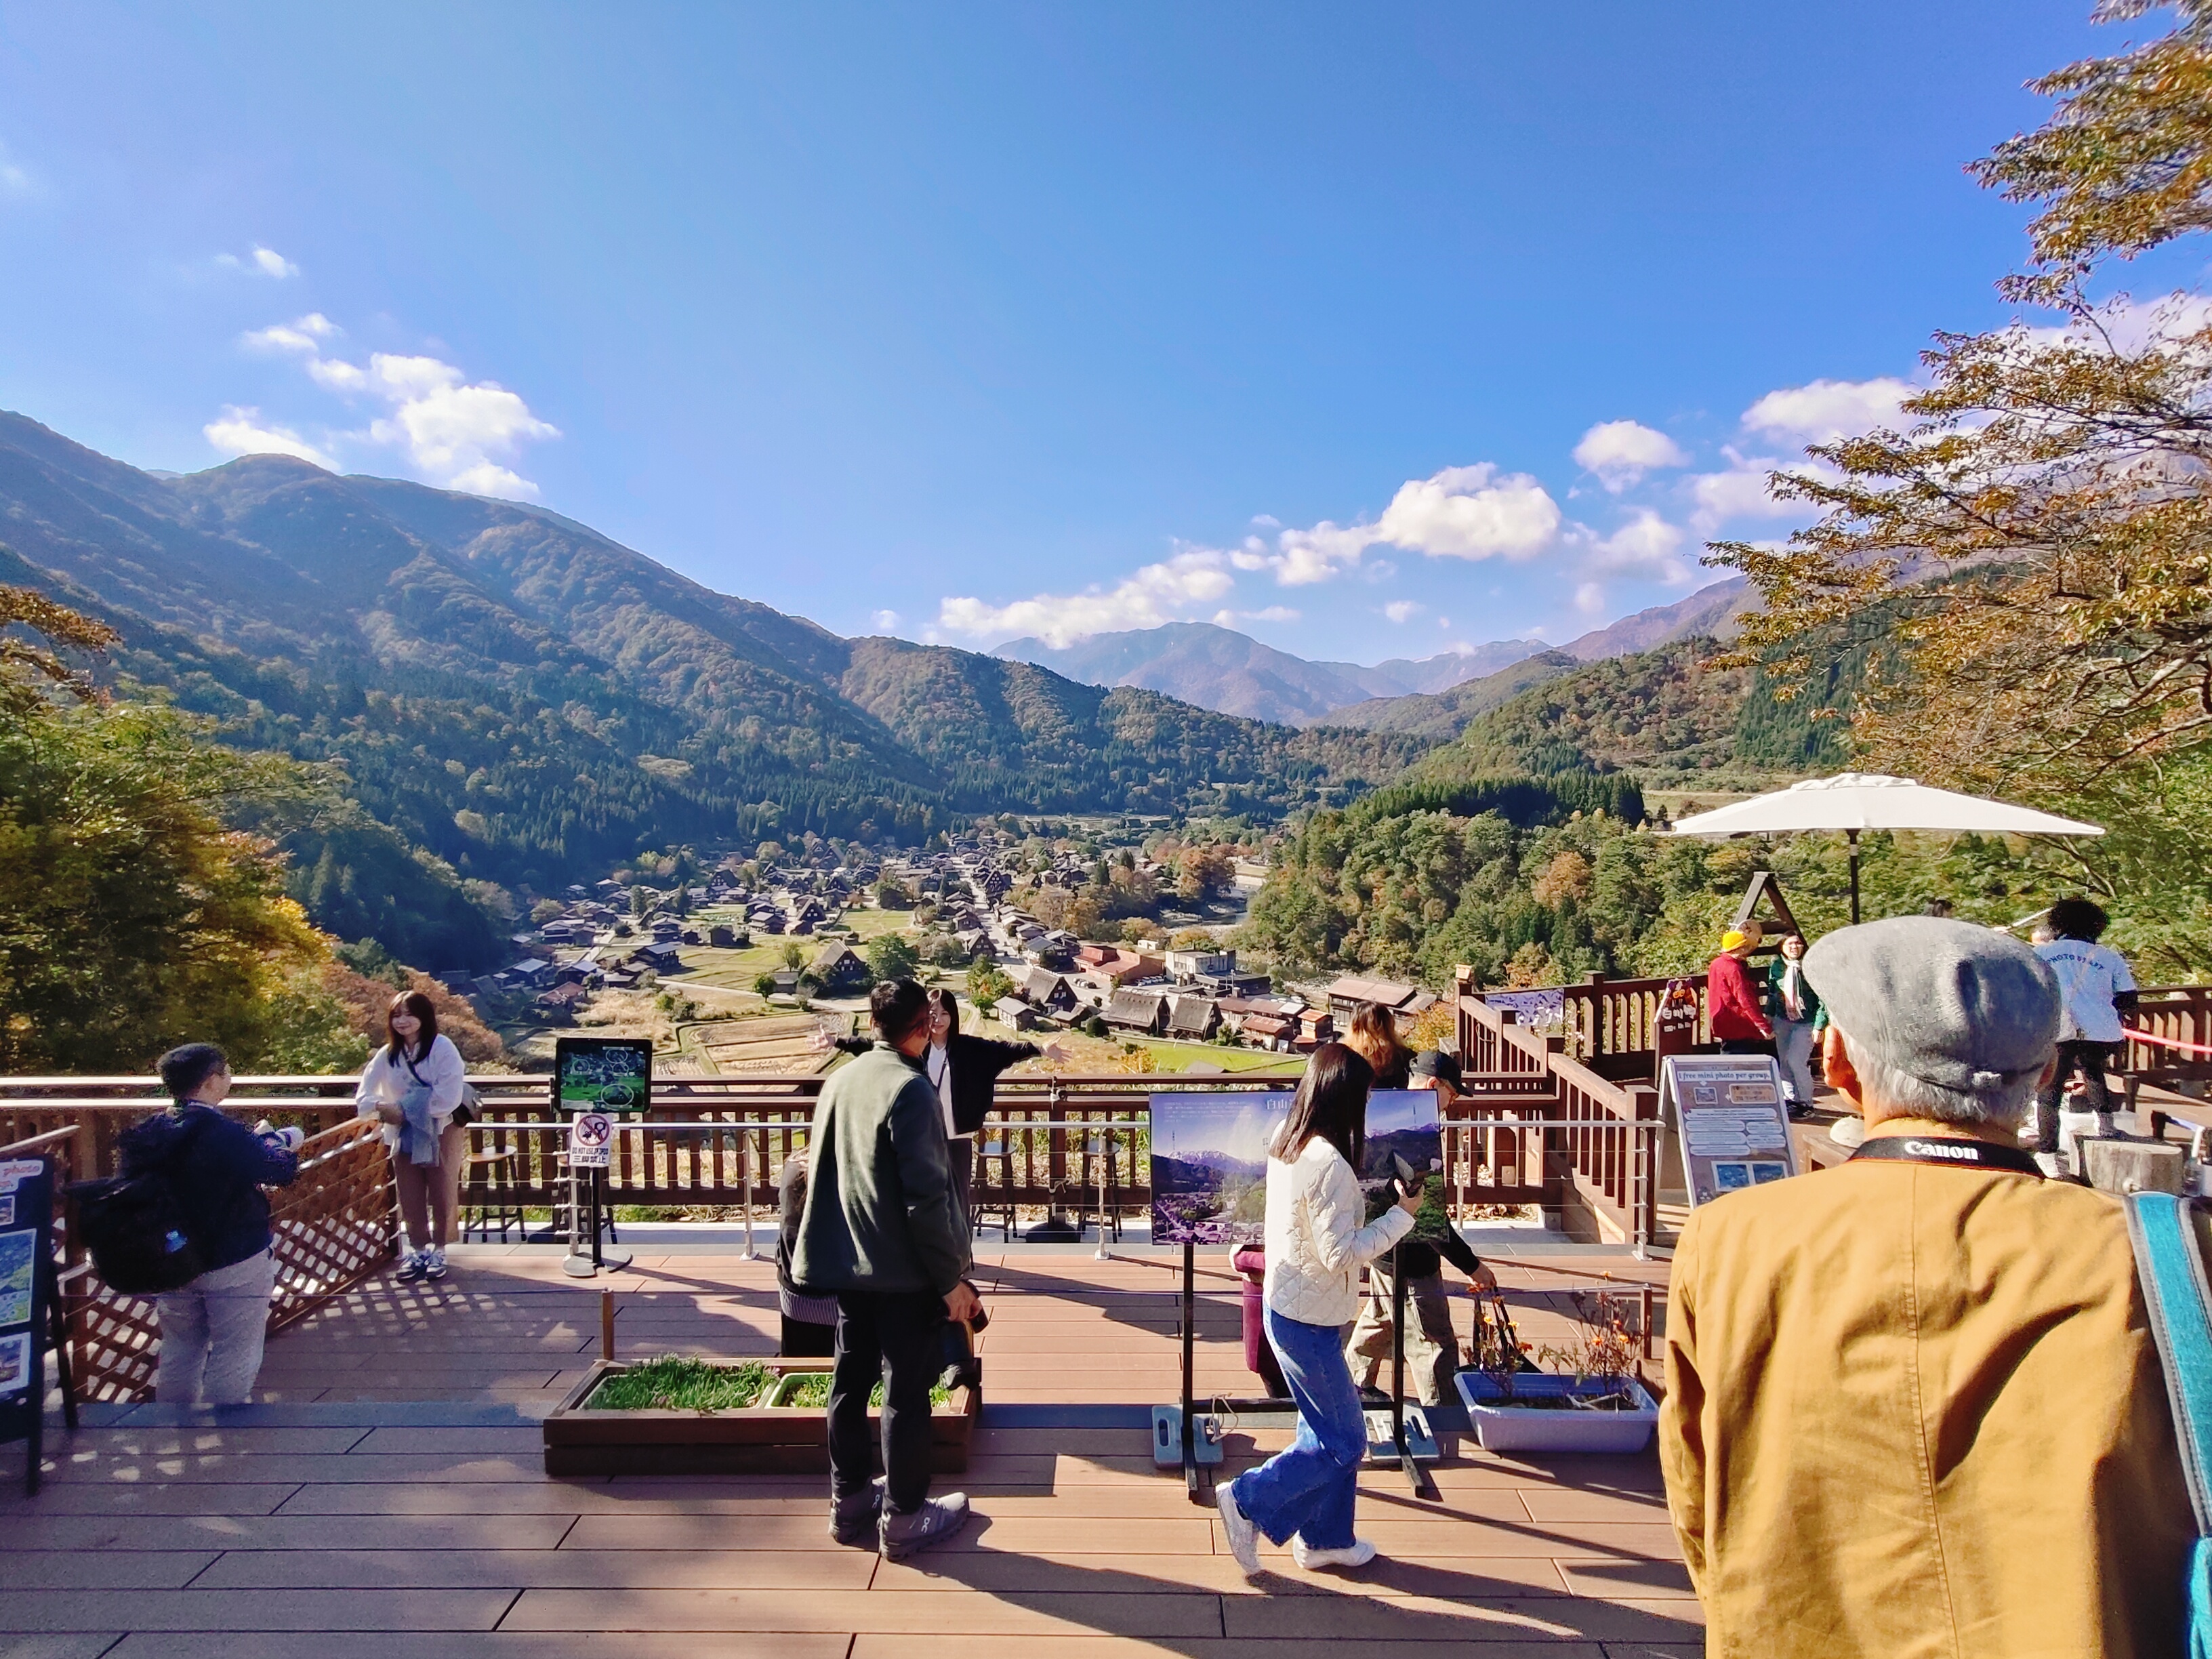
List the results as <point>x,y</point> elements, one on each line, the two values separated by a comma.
<point>591,1141</point>
<point>1728,1125</point>
<point>27,1288</point>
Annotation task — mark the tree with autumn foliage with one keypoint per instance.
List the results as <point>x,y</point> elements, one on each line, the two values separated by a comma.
<point>133,917</point>
<point>2034,547</point>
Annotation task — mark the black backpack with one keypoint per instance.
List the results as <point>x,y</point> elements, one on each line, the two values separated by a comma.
<point>135,1228</point>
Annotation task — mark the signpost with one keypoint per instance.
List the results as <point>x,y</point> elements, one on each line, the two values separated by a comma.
<point>28,1308</point>
<point>1730,1126</point>
<point>596,1079</point>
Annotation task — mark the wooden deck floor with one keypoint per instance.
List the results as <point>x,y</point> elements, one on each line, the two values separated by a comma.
<point>387,1498</point>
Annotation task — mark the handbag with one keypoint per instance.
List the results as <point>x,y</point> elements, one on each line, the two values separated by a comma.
<point>2176,1295</point>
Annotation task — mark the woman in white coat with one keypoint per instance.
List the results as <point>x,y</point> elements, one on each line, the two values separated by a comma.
<point>414,1084</point>
<point>1316,1247</point>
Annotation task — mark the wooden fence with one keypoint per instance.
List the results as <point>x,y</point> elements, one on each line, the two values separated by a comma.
<point>331,1228</point>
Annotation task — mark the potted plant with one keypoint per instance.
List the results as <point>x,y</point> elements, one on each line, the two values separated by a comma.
<point>1590,1402</point>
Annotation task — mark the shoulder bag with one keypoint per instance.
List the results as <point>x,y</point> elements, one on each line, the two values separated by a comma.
<point>2176,1295</point>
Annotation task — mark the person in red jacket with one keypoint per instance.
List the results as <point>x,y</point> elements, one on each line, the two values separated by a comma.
<point>1739,1025</point>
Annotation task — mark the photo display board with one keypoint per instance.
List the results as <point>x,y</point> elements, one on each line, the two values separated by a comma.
<point>602,1074</point>
<point>1730,1123</point>
<point>1209,1167</point>
<point>27,1207</point>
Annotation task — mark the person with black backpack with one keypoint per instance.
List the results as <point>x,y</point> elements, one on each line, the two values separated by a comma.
<point>212,1326</point>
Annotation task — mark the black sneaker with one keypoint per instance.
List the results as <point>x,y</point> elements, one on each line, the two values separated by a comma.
<point>935,1521</point>
<point>858,1519</point>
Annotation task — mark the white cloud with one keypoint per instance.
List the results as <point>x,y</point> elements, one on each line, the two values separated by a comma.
<point>1589,599</point>
<point>1471,513</point>
<point>261,262</point>
<point>456,433</point>
<point>1462,512</point>
<point>882,621</point>
<point>1273,613</point>
<point>1622,452</point>
<point>1742,492</point>
<point>2129,326</point>
<point>301,334</point>
<point>1828,409</point>
<point>241,432</point>
<point>15,178</point>
<point>1401,610</point>
<point>1645,548</point>
<point>1163,593</point>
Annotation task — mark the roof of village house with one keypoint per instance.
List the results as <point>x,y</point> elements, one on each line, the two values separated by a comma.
<point>1389,993</point>
<point>1192,1014</point>
<point>1041,985</point>
<point>1134,1008</point>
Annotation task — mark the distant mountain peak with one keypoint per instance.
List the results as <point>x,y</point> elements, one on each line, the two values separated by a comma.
<point>1233,673</point>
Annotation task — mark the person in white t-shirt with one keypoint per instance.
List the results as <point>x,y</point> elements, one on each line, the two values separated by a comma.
<point>2097,989</point>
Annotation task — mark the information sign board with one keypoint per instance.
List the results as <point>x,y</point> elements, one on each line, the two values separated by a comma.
<point>602,1074</point>
<point>26,1200</point>
<point>1728,1122</point>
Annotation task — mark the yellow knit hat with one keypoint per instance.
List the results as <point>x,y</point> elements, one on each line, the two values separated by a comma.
<point>1730,939</point>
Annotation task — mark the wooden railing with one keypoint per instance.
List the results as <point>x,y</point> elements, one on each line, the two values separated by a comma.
<point>331,1227</point>
<point>2182,1012</point>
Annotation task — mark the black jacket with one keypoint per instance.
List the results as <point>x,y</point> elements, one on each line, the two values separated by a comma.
<point>976,1063</point>
<point>217,1176</point>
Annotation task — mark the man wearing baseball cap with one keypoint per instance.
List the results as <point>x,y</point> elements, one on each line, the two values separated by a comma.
<point>1912,1404</point>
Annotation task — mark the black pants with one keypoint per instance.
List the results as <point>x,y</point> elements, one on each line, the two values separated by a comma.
<point>805,1340</point>
<point>963,1148</point>
<point>2091,1058</point>
<point>1749,1046</point>
<point>896,1332</point>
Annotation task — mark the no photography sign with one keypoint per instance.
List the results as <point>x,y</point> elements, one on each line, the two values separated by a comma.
<point>591,1141</point>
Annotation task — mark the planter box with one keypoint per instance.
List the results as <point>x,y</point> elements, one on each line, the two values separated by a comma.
<point>1500,1426</point>
<point>748,1440</point>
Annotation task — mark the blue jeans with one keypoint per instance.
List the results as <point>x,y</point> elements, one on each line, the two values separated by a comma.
<point>1309,1489</point>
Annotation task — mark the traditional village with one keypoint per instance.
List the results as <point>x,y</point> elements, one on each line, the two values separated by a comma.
<point>753,964</point>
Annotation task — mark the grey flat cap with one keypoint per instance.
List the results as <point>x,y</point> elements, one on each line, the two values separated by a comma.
<point>1945,1001</point>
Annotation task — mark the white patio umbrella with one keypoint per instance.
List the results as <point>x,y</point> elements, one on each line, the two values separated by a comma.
<point>1852,801</point>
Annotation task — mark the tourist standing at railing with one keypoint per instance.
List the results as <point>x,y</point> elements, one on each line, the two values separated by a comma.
<point>1432,1346</point>
<point>1913,1404</point>
<point>414,1084</point>
<point>1374,1037</point>
<point>2099,989</point>
<point>1315,1247</point>
<point>1793,1008</point>
<point>963,1072</point>
<point>883,1232</point>
<point>212,1328</point>
<point>1733,1013</point>
<point>809,1322</point>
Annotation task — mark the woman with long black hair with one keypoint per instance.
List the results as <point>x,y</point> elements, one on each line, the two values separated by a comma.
<point>414,1084</point>
<point>1316,1247</point>
<point>963,1072</point>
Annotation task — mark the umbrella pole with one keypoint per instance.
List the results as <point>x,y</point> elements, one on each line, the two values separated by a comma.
<point>1852,836</point>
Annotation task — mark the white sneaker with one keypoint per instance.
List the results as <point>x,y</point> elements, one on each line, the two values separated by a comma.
<point>434,1264</point>
<point>1243,1537</point>
<point>1360,1552</point>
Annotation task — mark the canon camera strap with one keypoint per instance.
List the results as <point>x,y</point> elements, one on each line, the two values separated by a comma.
<point>1953,1154</point>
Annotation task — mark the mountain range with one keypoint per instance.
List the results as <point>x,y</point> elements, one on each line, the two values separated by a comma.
<point>1221,669</point>
<point>524,701</point>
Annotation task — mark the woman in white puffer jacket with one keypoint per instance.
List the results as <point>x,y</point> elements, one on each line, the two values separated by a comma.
<point>1316,1247</point>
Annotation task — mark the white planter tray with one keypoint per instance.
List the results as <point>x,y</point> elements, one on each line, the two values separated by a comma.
<point>1501,1428</point>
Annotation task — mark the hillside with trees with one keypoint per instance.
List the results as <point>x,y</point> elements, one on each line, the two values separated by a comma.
<point>500,701</point>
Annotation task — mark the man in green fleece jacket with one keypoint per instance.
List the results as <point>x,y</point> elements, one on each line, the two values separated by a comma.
<point>884,1233</point>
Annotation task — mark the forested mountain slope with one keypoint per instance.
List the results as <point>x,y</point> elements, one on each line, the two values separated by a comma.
<point>524,700</point>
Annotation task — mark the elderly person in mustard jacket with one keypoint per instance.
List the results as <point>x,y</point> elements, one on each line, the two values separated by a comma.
<point>1913,1404</point>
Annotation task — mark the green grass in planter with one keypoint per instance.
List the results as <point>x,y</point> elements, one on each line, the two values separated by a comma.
<point>811,1392</point>
<point>675,1383</point>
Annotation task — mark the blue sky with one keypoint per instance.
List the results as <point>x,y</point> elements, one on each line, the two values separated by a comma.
<point>966,322</point>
